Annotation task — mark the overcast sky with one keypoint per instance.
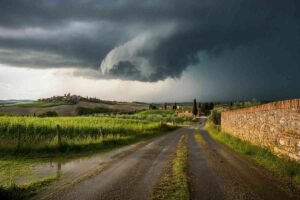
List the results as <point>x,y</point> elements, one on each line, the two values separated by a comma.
<point>150,50</point>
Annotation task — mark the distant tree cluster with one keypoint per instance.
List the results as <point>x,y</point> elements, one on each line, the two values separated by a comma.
<point>170,106</point>
<point>205,108</point>
<point>89,111</point>
<point>202,108</point>
<point>152,107</point>
<point>215,117</point>
<point>175,106</point>
<point>72,99</point>
<point>195,110</point>
<point>243,104</point>
<point>48,114</point>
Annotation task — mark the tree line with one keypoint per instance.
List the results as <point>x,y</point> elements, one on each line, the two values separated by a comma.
<point>202,108</point>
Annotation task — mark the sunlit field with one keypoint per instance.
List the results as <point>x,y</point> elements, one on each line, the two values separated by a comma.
<point>163,116</point>
<point>41,134</point>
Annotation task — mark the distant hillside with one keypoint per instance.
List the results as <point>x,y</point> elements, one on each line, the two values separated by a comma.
<point>14,101</point>
<point>66,109</point>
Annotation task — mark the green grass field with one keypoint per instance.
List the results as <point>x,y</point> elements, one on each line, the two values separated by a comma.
<point>36,104</point>
<point>164,116</point>
<point>34,134</point>
<point>28,141</point>
<point>157,112</point>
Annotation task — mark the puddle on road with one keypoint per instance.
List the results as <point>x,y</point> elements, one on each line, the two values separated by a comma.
<point>69,170</point>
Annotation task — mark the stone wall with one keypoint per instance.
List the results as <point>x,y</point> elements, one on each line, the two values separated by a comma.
<point>275,126</point>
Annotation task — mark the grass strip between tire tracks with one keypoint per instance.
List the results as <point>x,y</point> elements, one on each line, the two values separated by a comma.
<point>173,184</point>
<point>198,137</point>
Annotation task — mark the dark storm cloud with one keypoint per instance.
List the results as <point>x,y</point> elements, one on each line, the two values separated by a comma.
<point>138,40</point>
<point>125,69</point>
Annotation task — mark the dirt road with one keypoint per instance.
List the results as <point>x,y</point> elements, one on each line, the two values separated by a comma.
<point>215,172</point>
<point>131,177</point>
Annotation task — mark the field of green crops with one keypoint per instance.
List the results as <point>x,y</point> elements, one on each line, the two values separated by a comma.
<point>164,116</point>
<point>158,112</point>
<point>28,134</point>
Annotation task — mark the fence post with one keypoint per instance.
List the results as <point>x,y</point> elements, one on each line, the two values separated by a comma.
<point>19,136</point>
<point>58,170</point>
<point>100,132</point>
<point>58,133</point>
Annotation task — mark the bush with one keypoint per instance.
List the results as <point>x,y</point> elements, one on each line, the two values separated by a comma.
<point>215,117</point>
<point>5,114</point>
<point>205,108</point>
<point>89,111</point>
<point>48,114</point>
<point>152,107</point>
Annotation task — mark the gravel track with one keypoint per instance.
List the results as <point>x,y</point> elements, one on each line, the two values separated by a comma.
<point>215,172</point>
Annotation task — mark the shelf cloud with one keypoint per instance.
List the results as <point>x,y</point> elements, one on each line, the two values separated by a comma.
<point>147,41</point>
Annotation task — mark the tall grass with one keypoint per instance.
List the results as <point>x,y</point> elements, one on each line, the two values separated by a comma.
<point>26,191</point>
<point>39,134</point>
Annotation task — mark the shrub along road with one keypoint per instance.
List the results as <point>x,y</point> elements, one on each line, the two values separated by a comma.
<point>214,172</point>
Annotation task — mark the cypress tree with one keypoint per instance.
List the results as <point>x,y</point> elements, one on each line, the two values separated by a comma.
<point>195,110</point>
<point>175,106</point>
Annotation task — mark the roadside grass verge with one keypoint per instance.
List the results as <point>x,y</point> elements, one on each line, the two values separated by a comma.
<point>25,191</point>
<point>281,166</point>
<point>198,137</point>
<point>173,183</point>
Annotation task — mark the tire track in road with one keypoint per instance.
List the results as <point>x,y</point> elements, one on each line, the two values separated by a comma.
<point>203,183</point>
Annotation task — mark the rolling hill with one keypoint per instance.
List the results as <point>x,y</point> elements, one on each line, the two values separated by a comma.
<point>31,108</point>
